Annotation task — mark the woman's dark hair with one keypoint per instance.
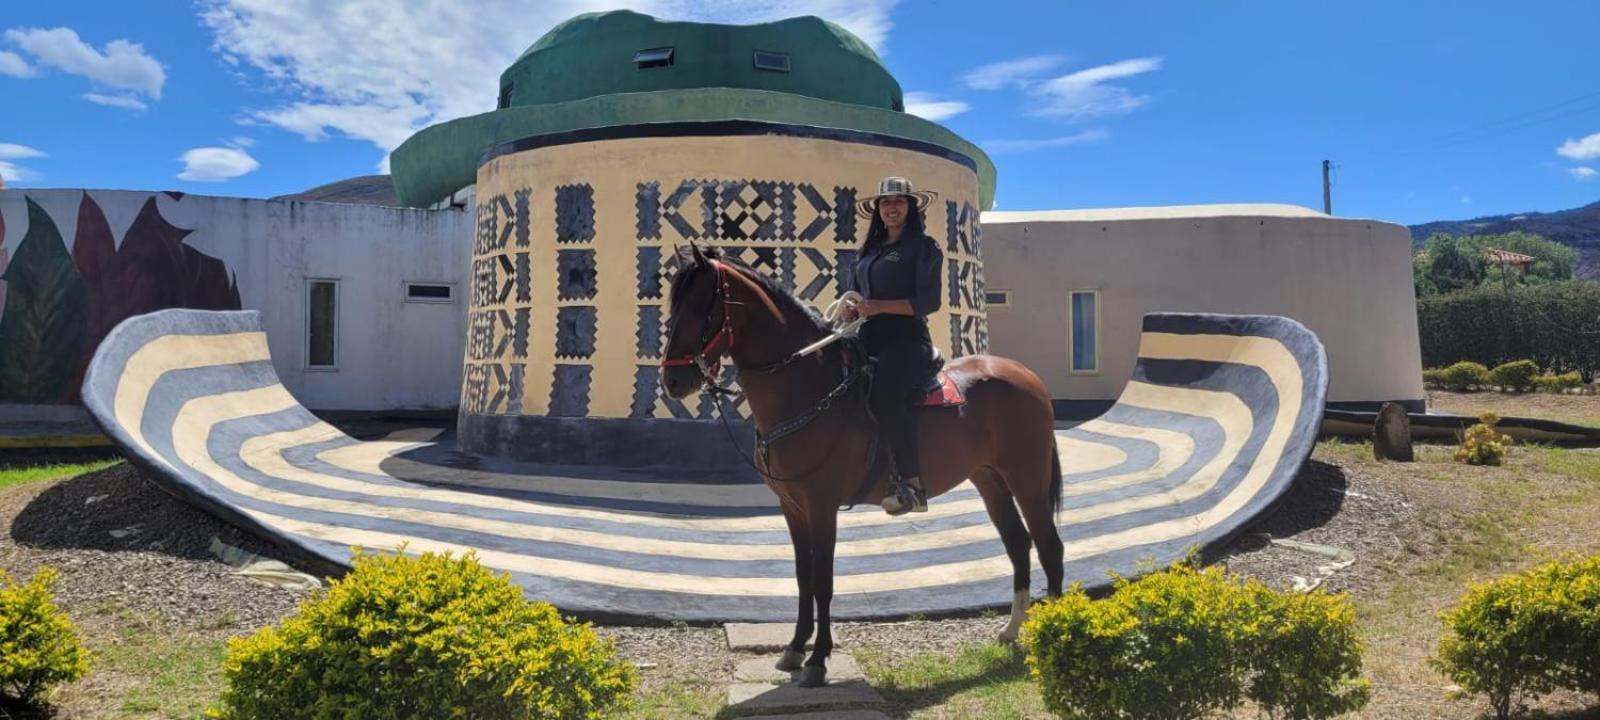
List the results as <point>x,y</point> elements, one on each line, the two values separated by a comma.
<point>877,232</point>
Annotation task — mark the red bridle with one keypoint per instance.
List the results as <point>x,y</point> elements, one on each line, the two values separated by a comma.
<point>710,363</point>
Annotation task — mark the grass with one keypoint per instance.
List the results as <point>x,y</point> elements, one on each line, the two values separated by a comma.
<point>677,700</point>
<point>38,473</point>
<point>156,670</point>
<point>978,681</point>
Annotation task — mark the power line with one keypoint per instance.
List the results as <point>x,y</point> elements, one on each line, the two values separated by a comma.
<point>1585,103</point>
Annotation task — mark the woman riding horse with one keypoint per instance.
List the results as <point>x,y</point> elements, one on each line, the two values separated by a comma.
<point>813,437</point>
<point>898,274</point>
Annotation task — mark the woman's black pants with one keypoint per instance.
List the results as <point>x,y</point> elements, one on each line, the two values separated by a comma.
<point>901,349</point>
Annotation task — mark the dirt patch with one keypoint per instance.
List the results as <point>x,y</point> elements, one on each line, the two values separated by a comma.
<point>1575,409</point>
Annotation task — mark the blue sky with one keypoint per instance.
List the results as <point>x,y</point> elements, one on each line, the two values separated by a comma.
<point>1429,110</point>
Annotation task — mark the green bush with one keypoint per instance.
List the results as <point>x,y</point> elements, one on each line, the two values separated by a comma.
<point>1559,383</point>
<point>1557,326</point>
<point>428,637</point>
<point>1483,445</point>
<point>1183,643</point>
<point>1465,376</point>
<point>1517,375</point>
<point>1433,378</point>
<point>1526,635</point>
<point>39,647</point>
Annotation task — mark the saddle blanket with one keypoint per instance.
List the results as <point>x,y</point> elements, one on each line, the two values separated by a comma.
<point>947,394</point>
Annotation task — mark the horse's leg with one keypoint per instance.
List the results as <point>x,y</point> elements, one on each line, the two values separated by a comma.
<point>1003,513</point>
<point>800,538</point>
<point>1036,499</point>
<point>824,523</point>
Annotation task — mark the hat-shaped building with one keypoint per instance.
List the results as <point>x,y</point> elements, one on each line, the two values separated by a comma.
<point>618,139</point>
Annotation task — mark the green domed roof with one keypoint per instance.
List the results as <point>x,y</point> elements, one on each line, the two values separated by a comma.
<point>593,55</point>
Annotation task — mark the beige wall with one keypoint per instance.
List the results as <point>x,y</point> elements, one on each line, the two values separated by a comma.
<point>1349,281</point>
<point>638,199</point>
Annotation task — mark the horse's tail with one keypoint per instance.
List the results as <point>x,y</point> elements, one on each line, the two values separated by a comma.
<point>1055,480</point>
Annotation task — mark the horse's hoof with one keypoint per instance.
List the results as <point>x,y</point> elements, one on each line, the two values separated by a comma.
<point>813,676</point>
<point>791,661</point>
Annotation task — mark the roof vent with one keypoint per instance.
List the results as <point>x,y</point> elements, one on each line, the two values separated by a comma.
<point>654,57</point>
<point>772,61</point>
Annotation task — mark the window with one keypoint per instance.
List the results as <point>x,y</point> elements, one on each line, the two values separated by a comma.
<point>654,57</point>
<point>772,61</point>
<point>1084,346</point>
<point>429,292</point>
<point>322,326</point>
<point>997,298</point>
<point>505,96</point>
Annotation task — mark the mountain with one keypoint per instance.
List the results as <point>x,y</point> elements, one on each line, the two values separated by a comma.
<point>1578,228</point>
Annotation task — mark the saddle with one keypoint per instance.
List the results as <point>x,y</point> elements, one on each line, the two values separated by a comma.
<point>941,390</point>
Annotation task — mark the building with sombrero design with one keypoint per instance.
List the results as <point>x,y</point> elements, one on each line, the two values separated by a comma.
<point>527,288</point>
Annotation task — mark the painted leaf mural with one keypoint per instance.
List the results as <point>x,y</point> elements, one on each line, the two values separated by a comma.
<point>43,326</point>
<point>152,270</point>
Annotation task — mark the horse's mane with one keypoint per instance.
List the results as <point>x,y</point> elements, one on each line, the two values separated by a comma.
<point>781,296</point>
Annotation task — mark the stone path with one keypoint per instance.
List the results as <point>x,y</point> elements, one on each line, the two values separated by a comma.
<point>761,690</point>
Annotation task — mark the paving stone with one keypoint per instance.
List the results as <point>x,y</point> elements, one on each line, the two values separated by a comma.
<point>840,667</point>
<point>790,696</point>
<point>759,637</point>
<point>831,715</point>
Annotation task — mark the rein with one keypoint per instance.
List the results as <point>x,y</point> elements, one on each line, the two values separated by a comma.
<point>709,362</point>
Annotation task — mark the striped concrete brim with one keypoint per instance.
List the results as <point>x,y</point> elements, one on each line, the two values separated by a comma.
<point>1221,413</point>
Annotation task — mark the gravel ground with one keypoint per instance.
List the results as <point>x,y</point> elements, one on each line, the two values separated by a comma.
<point>1579,409</point>
<point>161,564</point>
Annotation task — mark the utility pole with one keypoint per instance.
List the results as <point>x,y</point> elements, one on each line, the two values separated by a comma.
<point>1327,193</point>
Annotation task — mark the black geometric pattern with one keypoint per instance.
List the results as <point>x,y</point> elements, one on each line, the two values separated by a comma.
<point>647,201</point>
<point>650,332</point>
<point>575,332</point>
<point>569,396</point>
<point>649,284</point>
<point>962,231</point>
<point>955,283</point>
<point>574,213</point>
<point>969,335</point>
<point>647,392</point>
<point>522,216</point>
<point>510,272</point>
<point>575,274</point>
<point>524,278</point>
<point>966,285</point>
<point>486,325</point>
<point>498,221</point>
<point>519,335</point>
<point>475,389</point>
<point>485,281</point>
<point>844,263</point>
<point>518,372</point>
<point>844,212</point>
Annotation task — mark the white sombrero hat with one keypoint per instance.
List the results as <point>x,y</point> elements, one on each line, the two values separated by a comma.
<point>894,186</point>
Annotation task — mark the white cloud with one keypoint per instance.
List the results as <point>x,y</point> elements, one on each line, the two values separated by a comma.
<point>122,101</point>
<point>242,142</point>
<point>12,64</point>
<point>929,107</point>
<point>379,71</point>
<point>12,172</point>
<point>123,65</point>
<point>1585,149</point>
<point>1086,93</point>
<point>1466,199</point>
<point>216,164</point>
<point>1008,146</point>
<point>1010,72</point>
<point>1583,173</point>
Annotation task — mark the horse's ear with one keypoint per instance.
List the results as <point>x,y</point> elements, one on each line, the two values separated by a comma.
<point>699,255</point>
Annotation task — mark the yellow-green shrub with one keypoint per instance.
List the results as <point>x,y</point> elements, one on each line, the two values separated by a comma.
<point>39,647</point>
<point>1516,375</point>
<point>1559,383</point>
<point>1433,377</point>
<point>1526,635</point>
<point>1182,643</point>
<point>427,637</point>
<point>1464,376</point>
<point>1483,445</point>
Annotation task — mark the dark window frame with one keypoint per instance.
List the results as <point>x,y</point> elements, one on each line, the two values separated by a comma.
<point>756,57</point>
<point>665,56</point>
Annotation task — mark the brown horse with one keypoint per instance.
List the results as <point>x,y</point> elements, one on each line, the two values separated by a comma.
<point>815,434</point>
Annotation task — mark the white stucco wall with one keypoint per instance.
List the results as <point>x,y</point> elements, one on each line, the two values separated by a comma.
<point>1348,280</point>
<point>392,354</point>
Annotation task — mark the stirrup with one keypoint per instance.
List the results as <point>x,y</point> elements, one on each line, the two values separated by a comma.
<point>904,499</point>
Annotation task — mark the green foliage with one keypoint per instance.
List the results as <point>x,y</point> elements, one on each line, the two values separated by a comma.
<point>1557,326</point>
<point>39,647</point>
<point>1526,635</point>
<point>1483,445</point>
<point>428,637</point>
<point>1464,376</point>
<point>1559,383</point>
<point>1450,264</point>
<point>1433,377</point>
<point>1183,643</point>
<point>1516,375</point>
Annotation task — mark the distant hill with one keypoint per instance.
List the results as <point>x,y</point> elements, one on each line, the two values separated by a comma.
<point>363,190</point>
<point>1578,228</point>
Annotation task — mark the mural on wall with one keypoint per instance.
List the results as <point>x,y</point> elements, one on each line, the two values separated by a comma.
<point>60,305</point>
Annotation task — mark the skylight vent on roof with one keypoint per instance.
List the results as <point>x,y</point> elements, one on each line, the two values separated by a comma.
<point>654,57</point>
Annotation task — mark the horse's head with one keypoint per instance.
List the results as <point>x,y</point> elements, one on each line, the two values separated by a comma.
<point>699,328</point>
